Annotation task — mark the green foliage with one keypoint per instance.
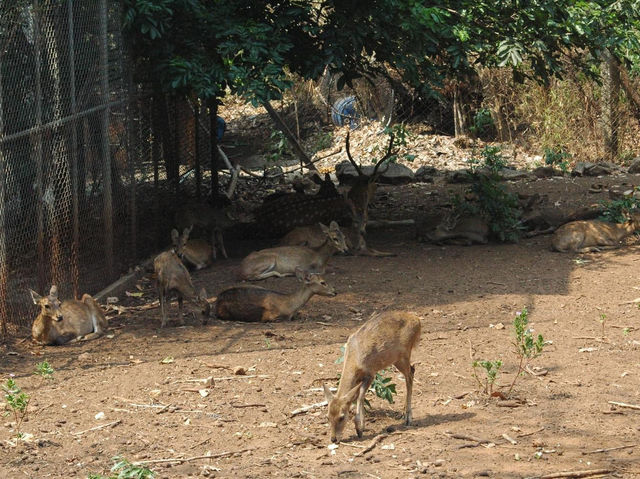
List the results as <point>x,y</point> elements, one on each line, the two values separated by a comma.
<point>617,211</point>
<point>558,158</point>
<point>279,147</point>
<point>17,401</point>
<point>123,469</point>
<point>482,123</point>
<point>494,203</point>
<point>491,369</point>
<point>527,347</point>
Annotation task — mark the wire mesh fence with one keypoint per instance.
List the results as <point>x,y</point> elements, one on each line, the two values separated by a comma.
<point>89,164</point>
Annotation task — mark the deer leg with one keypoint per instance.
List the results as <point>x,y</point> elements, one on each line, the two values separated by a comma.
<point>220,241</point>
<point>180,316</point>
<point>213,245</point>
<point>359,417</point>
<point>407,370</point>
<point>163,307</point>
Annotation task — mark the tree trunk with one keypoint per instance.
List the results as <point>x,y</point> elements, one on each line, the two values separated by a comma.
<point>610,99</point>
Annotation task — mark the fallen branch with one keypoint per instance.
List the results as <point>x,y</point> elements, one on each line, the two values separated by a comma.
<point>102,426</point>
<point>509,439</point>
<point>371,445</point>
<point>622,404</point>
<point>195,458</point>
<point>587,473</point>
<point>525,434</point>
<point>311,407</point>
<point>248,405</point>
<point>595,451</point>
<point>464,437</point>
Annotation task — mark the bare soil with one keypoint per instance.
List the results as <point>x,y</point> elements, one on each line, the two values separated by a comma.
<point>152,409</point>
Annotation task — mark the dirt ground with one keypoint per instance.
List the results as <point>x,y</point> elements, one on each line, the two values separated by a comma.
<point>115,396</point>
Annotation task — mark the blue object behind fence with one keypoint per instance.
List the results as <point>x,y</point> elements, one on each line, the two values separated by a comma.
<point>221,126</point>
<point>344,112</point>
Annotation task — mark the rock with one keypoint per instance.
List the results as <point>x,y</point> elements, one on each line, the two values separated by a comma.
<point>587,168</point>
<point>459,176</point>
<point>508,174</point>
<point>546,172</point>
<point>425,174</point>
<point>635,166</point>
<point>394,174</point>
<point>239,371</point>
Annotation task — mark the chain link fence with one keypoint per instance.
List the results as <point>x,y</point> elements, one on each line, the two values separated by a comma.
<point>90,165</point>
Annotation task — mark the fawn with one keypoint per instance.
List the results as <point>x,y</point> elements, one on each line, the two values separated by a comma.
<point>67,321</point>
<point>386,339</point>
<point>594,235</point>
<point>196,252</point>
<point>253,303</point>
<point>172,277</point>
<point>215,221</point>
<point>283,260</point>
<point>313,237</point>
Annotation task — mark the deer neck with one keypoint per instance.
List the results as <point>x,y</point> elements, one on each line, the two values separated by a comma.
<point>42,329</point>
<point>349,377</point>
<point>326,250</point>
<point>298,299</point>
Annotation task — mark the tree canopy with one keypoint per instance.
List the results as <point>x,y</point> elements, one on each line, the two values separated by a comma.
<point>249,46</point>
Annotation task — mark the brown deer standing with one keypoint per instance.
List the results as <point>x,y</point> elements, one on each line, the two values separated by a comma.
<point>386,339</point>
<point>67,321</point>
<point>215,221</point>
<point>253,303</point>
<point>172,277</point>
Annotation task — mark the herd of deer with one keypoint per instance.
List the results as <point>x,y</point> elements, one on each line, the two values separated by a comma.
<point>386,339</point>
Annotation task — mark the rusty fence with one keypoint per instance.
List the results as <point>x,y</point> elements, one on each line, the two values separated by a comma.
<point>90,164</point>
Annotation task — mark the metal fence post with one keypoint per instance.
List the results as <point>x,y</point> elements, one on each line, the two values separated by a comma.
<point>106,155</point>
<point>4,270</point>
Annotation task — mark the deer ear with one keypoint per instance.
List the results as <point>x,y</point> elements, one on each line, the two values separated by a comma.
<point>323,228</point>
<point>175,236</point>
<point>53,291</point>
<point>352,394</point>
<point>186,232</point>
<point>203,293</point>
<point>328,395</point>
<point>333,226</point>
<point>35,296</point>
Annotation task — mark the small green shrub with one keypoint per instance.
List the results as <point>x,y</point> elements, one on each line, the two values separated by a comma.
<point>482,123</point>
<point>617,211</point>
<point>527,347</point>
<point>123,469</point>
<point>491,369</point>
<point>494,203</point>
<point>557,157</point>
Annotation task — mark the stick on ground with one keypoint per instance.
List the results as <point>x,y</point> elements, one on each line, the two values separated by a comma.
<point>180,460</point>
<point>574,474</point>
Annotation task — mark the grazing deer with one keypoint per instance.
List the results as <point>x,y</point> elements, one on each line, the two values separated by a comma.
<point>196,252</point>
<point>283,260</point>
<point>172,277</point>
<point>386,339</point>
<point>594,235</point>
<point>203,216</point>
<point>253,303</point>
<point>67,321</point>
<point>313,237</point>
<point>464,230</point>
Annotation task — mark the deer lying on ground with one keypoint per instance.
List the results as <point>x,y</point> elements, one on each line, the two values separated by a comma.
<point>313,237</point>
<point>253,303</point>
<point>203,216</point>
<point>538,219</point>
<point>172,277</point>
<point>594,235</point>
<point>386,339</point>
<point>67,321</point>
<point>283,260</point>
<point>465,230</point>
<point>196,252</point>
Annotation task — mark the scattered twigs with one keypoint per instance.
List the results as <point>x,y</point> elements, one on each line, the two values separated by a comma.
<point>475,441</point>
<point>622,404</point>
<point>180,460</point>
<point>525,434</point>
<point>372,444</point>
<point>596,451</point>
<point>101,426</point>
<point>586,473</point>
<point>305,409</point>
<point>248,405</point>
<point>509,439</point>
